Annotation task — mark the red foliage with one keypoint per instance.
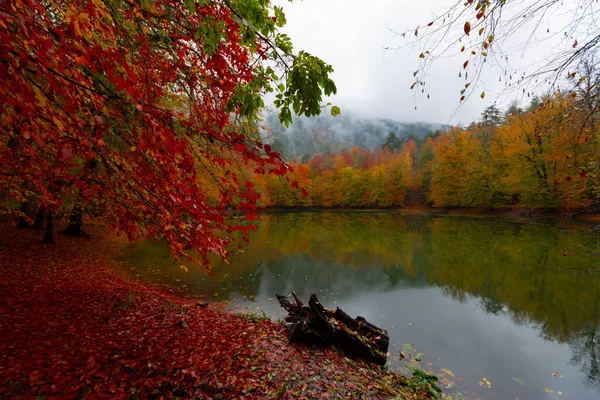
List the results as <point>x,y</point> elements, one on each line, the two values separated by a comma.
<point>74,327</point>
<point>348,159</point>
<point>84,112</point>
<point>316,163</point>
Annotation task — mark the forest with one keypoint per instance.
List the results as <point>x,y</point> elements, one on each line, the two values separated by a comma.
<point>543,156</point>
<point>196,133</point>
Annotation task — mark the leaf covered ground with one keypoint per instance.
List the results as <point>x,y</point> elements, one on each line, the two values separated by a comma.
<point>73,325</point>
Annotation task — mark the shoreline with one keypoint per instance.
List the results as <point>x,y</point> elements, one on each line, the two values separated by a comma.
<point>81,327</point>
<point>591,213</point>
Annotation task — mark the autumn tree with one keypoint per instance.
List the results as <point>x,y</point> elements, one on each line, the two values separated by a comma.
<point>461,174</point>
<point>546,164</point>
<point>95,81</point>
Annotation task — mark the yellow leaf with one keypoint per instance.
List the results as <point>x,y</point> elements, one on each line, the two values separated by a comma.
<point>132,148</point>
<point>58,123</point>
<point>183,267</point>
<point>40,97</point>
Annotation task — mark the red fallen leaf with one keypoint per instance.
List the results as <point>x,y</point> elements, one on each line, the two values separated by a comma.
<point>583,173</point>
<point>304,192</point>
<point>295,185</point>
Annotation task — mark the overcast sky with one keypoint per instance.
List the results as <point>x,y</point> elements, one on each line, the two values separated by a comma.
<point>373,82</point>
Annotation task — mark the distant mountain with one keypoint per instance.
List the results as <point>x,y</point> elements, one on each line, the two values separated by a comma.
<point>326,134</point>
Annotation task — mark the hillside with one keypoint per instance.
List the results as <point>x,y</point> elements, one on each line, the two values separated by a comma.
<point>327,134</point>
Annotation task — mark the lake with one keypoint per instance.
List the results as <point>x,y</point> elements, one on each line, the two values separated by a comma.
<point>498,308</point>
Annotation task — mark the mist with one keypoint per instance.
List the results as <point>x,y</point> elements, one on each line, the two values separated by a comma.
<point>331,135</point>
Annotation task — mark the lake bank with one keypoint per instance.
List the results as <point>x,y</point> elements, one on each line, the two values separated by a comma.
<point>77,326</point>
<point>468,296</point>
<point>591,213</point>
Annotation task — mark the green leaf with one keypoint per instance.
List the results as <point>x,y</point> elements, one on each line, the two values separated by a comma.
<point>279,16</point>
<point>190,4</point>
<point>335,111</point>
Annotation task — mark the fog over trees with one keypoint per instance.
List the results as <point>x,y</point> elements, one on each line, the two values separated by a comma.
<point>326,134</point>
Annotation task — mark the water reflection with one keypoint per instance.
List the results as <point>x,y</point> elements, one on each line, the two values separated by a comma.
<point>508,300</point>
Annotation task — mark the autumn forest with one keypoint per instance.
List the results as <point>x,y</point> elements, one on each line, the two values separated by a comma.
<point>190,210</point>
<point>543,156</point>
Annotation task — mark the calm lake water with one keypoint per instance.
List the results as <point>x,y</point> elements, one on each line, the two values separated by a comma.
<point>499,309</point>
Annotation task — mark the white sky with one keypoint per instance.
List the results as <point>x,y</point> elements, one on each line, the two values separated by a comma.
<point>372,82</point>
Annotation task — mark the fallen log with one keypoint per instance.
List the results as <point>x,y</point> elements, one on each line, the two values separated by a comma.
<point>314,324</point>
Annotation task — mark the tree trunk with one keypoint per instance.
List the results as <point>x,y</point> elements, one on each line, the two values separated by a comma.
<point>315,324</point>
<point>23,220</point>
<point>39,219</point>
<point>75,227</point>
<point>50,228</point>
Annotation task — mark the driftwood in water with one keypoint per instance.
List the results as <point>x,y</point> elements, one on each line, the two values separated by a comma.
<point>315,324</point>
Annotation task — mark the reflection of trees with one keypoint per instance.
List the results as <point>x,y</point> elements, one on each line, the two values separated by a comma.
<point>586,352</point>
<point>585,345</point>
<point>500,262</point>
<point>303,275</point>
<point>492,306</point>
<point>154,263</point>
